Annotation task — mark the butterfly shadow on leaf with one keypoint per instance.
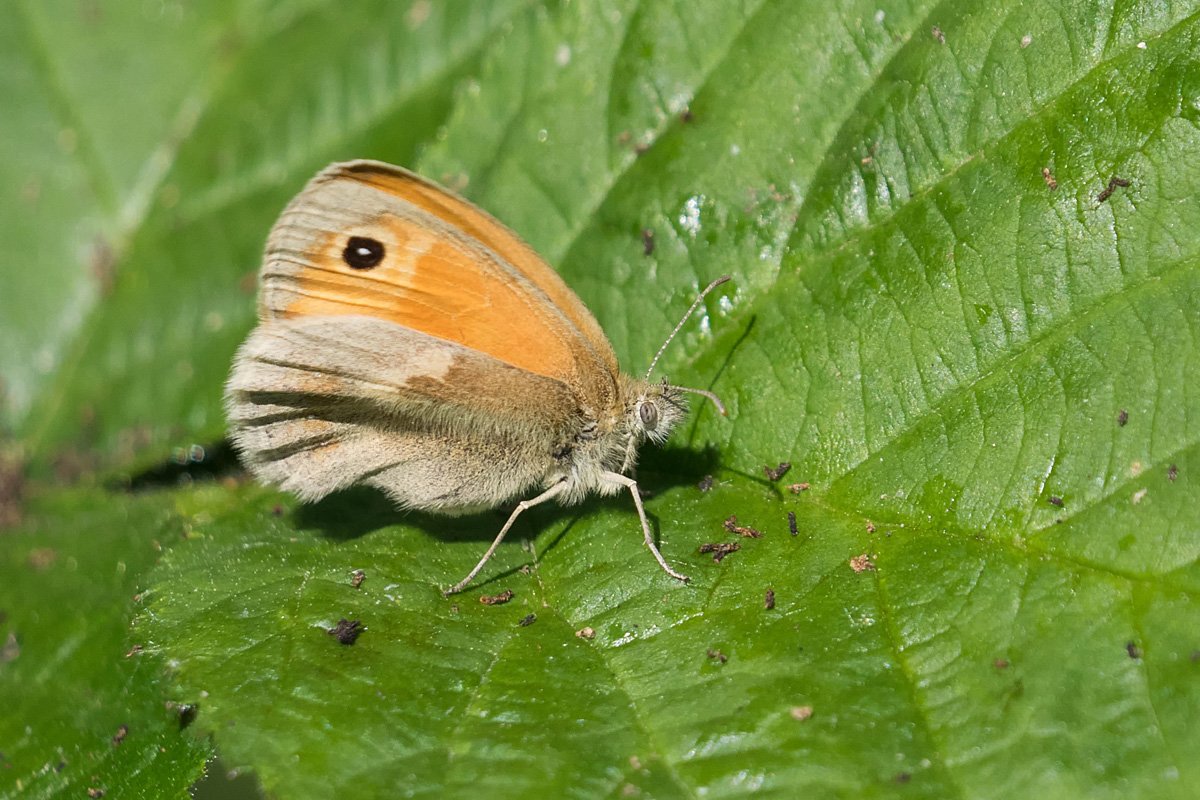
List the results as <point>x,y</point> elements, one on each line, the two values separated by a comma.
<point>357,511</point>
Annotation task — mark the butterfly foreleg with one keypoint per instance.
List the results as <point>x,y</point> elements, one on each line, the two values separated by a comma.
<point>549,494</point>
<point>632,486</point>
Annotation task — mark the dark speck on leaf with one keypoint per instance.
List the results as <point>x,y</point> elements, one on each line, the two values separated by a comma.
<point>718,655</point>
<point>187,714</point>
<point>647,242</point>
<point>744,531</point>
<point>499,599</point>
<point>777,472</point>
<point>1172,473</point>
<point>705,483</point>
<point>937,34</point>
<point>792,523</point>
<point>1134,651</point>
<point>1113,183</point>
<point>903,777</point>
<point>357,577</point>
<point>769,601</point>
<point>1122,417</point>
<point>719,549</point>
<point>1055,500</point>
<point>346,631</point>
<point>122,732</point>
<point>525,622</point>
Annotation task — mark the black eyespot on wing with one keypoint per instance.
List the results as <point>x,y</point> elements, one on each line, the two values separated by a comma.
<point>363,253</point>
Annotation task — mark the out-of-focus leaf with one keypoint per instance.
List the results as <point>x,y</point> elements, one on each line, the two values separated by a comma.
<point>149,364</point>
<point>97,98</point>
<point>82,711</point>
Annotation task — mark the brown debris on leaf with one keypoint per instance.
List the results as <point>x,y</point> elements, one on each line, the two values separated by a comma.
<point>585,633</point>
<point>122,732</point>
<point>705,484</point>
<point>11,650</point>
<point>647,242</point>
<point>741,530</point>
<point>526,621</point>
<point>1048,177</point>
<point>137,648</point>
<point>357,577</point>
<point>1134,651</point>
<point>12,489</point>
<point>769,600</point>
<point>937,34</point>
<point>797,488</point>
<point>94,793</point>
<point>719,549</point>
<point>793,528</point>
<point>1000,663</point>
<point>718,655</point>
<point>346,631</point>
<point>1172,473</point>
<point>1055,500</point>
<point>777,472</point>
<point>801,713</point>
<point>497,600</point>
<point>187,714</point>
<point>862,563</point>
<point>870,526</point>
<point>1122,417</point>
<point>1113,183</point>
<point>41,558</point>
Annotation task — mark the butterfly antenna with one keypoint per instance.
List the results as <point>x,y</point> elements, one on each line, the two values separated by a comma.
<point>716,400</point>
<point>657,356</point>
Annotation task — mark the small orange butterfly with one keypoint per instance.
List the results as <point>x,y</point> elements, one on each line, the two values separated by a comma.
<point>408,341</point>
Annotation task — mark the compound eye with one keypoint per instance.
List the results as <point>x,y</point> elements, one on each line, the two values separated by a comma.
<point>649,415</point>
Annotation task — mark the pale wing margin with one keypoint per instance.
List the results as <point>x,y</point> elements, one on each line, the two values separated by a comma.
<point>317,404</point>
<point>339,200</point>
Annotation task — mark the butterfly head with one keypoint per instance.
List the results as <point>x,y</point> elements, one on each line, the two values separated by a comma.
<point>656,410</point>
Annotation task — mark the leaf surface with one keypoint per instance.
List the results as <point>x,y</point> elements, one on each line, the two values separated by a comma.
<point>980,360</point>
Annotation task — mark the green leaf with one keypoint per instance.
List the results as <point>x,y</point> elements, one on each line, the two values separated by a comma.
<point>148,367</point>
<point>97,98</point>
<point>82,709</point>
<point>980,360</point>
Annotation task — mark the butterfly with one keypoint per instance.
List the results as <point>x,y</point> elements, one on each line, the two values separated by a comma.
<point>408,341</point>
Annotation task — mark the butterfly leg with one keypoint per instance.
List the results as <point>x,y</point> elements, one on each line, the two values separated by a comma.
<point>521,506</point>
<point>632,486</point>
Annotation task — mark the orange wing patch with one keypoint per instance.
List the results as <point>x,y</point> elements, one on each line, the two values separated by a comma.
<point>478,224</point>
<point>436,285</point>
